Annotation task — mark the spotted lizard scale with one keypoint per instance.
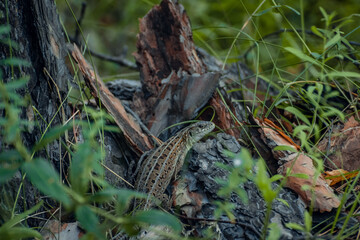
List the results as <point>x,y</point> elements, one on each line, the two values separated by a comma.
<point>162,165</point>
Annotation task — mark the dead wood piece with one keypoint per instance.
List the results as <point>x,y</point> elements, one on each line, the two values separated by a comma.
<point>180,101</point>
<point>343,147</point>
<point>174,77</point>
<point>165,45</point>
<point>224,119</point>
<point>324,197</point>
<point>335,176</point>
<point>175,84</point>
<point>132,131</point>
<point>298,163</point>
<point>274,136</point>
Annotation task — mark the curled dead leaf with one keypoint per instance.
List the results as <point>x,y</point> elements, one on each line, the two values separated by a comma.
<point>338,175</point>
<point>324,197</point>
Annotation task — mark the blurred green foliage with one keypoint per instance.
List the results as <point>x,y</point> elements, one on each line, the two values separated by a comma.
<point>110,26</point>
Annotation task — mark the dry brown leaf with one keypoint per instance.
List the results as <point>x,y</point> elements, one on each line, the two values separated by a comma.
<point>335,176</point>
<point>273,136</point>
<point>299,163</point>
<point>54,229</point>
<point>344,149</point>
<point>325,199</point>
<point>189,202</point>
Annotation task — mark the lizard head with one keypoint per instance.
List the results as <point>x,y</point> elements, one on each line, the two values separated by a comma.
<point>198,130</point>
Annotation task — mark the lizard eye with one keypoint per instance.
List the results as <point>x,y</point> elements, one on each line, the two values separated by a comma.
<point>191,133</point>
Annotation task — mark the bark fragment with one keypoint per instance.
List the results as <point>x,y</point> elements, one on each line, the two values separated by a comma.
<point>175,81</point>
<point>132,131</point>
<point>324,197</point>
<point>298,163</point>
<point>343,147</point>
<point>164,45</point>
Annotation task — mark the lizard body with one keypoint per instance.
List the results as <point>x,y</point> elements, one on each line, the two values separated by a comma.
<point>161,165</point>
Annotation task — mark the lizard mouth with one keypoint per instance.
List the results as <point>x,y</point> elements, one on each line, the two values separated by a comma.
<point>201,129</point>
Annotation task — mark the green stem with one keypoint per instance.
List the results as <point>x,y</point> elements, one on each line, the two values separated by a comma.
<point>267,219</point>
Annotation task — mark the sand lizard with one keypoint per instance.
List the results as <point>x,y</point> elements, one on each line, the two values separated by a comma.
<point>162,164</point>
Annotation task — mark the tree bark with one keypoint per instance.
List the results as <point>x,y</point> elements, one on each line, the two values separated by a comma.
<point>36,29</point>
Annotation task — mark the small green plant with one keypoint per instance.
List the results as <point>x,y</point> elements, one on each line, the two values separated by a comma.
<point>85,170</point>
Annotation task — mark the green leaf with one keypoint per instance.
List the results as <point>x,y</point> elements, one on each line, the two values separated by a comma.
<point>274,232</point>
<point>323,12</point>
<point>224,208</point>
<point>316,31</point>
<point>81,168</point>
<point>103,196</point>
<point>154,217</point>
<point>331,94</point>
<point>300,129</point>
<point>331,111</point>
<point>5,29</point>
<point>10,156</point>
<point>276,177</point>
<point>124,196</point>
<point>300,175</point>
<point>298,114</point>
<point>266,11</point>
<point>302,56</point>
<point>42,175</point>
<point>346,42</point>
<point>295,226</point>
<point>306,187</point>
<point>19,233</point>
<point>17,218</point>
<point>9,43</point>
<point>18,83</point>
<point>17,99</point>
<point>7,173</point>
<point>89,221</point>
<point>263,182</point>
<point>283,202</point>
<point>343,74</point>
<point>293,9</point>
<point>50,136</point>
<point>15,62</point>
<point>110,128</point>
<point>285,148</point>
<point>333,41</point>
<point>308,221</point>
<point>316,55</point>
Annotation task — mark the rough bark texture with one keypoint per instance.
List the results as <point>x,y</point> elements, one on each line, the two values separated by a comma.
<point>35,27</point>
<point>175,81</point>
<point>139,141</point>
<point>342,149</point>
<point>164,45</point>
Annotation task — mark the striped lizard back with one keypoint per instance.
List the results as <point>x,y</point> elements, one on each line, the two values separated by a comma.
<point>162,164</point>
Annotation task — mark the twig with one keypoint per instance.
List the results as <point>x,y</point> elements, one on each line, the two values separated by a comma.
<point>246,225</point>
<point>118,60</point>
<point>77,26</point>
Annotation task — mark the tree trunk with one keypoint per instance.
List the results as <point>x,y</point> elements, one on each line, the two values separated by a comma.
<point>36,29</point>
